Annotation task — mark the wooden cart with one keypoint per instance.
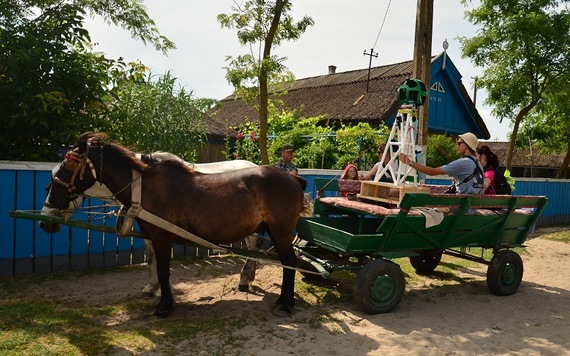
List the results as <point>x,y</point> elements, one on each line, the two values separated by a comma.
<point>359,236</point>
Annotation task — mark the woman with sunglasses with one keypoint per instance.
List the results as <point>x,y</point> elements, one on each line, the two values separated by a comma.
<point>379,166</point>
<point>466,171</point>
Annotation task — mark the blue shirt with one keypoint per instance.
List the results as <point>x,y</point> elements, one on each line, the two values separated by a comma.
<point>462,168</point>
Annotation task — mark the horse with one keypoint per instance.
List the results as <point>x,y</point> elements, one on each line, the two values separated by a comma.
<point>100,191</point>
<point>173,202</point>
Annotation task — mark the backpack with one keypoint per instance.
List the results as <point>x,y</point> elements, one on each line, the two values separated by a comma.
<point>502,187</point>
<point>477,174</point>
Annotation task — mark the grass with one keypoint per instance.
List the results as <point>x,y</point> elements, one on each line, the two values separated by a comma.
<point>32,323</point>
<point>562,234</point>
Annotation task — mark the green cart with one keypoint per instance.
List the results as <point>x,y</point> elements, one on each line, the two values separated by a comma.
<point>355,235</point>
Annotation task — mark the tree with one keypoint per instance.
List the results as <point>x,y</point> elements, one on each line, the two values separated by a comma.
<point>153,113</point>
<point>264,24</point>
<point>51,85</point>
<point>548,127</point>
<point>523,46</point>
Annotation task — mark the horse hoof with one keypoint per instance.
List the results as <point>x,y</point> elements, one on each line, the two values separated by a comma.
<point>243,287</point>
<point>159,313</point>
<point>283,311</point>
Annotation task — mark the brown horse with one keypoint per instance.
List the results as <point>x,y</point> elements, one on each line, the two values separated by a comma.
<point>216,208</point>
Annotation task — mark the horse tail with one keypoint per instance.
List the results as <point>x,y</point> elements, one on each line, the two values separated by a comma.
<point>308,206</point>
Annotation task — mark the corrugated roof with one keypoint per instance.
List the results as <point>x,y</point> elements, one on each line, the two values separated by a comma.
<point>339,96</point>
<point>524,157</point>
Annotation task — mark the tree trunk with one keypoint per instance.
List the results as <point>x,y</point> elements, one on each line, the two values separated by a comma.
<point>518,119</point>
<point>564,168</point>
<point>263,89</point>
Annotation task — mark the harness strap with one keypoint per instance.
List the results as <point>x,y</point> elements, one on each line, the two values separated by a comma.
<point>136,210</point>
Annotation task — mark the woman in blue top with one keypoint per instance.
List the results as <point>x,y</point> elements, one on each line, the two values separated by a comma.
<point>466,171</point>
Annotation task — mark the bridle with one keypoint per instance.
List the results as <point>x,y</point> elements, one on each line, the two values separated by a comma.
<point>76,162</point>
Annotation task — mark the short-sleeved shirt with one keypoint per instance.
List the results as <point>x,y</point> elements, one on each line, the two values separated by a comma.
<point>462,168</point>
<point>286,166</point>
<point>490,174</point>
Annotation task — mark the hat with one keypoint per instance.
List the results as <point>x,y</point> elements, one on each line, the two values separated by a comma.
<point>470,140</point>
<point>287,147</point>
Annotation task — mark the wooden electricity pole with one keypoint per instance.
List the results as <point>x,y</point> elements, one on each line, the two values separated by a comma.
<point>422,64</point>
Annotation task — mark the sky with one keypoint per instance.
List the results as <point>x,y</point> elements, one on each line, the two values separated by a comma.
<point>343,30</point>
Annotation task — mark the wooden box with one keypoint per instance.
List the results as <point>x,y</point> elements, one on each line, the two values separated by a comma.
<point>388,192</point>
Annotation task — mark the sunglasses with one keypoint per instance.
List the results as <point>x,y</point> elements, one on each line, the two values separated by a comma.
<point>459,143</point>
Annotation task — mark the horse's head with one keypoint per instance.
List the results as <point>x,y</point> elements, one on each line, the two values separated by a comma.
<point>71,178</point>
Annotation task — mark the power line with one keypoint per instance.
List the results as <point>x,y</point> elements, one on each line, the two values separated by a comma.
<point>382,26</point>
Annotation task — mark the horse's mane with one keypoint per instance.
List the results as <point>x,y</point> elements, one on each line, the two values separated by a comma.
<point>126,157</point>
<point>121,155</point>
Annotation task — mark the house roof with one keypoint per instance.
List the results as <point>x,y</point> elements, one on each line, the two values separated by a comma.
<point>524,157</point>
<point>344,97</point>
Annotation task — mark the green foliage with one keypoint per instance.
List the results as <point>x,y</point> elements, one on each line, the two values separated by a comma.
<point>261,25</point>
<point>441,150</point>
<point>523,46</point>
<point>246,143</point>
<point>132,16</point>
<point>51,85</point>
<point>155,113</point>
<point>358,144</point>
<point>49,82</point>
<point>316,146</point>
<point>548,127</point>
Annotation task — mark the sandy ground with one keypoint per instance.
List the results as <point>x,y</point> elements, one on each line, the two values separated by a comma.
<point>457,317</point>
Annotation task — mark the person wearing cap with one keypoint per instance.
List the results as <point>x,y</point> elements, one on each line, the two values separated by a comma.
<point>466,171</point>
<point>284,163</point>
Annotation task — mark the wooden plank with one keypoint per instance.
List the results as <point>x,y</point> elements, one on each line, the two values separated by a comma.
<point>387,192</point>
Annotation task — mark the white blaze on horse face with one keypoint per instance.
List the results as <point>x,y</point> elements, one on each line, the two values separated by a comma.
<point>99,191</point>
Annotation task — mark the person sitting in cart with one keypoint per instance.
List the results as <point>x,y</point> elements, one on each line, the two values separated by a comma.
<point>489,161</point>
<point>284,163</point>
<point>349,183</point>
<point>466,171</point>
<point>379,166</point>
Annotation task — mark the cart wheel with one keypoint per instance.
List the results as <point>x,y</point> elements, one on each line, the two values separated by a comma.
<point>504,274</point>
<point>426,262</point>
<point>379,286</point>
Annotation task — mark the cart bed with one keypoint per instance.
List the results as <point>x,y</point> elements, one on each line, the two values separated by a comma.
<point>355,228</point>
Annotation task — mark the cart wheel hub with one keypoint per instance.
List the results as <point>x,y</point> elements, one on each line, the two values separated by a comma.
<point>509,274</point>
<point>383,289</point>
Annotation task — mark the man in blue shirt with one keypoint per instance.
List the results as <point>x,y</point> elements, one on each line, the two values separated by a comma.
<point>466,171</point>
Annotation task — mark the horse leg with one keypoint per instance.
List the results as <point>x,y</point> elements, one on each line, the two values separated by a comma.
<point>152,288</point>
<point>162,254</point>
<point>247,274</point>
<point>284,247</point>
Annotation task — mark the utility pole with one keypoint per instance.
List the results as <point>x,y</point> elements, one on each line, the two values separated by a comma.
<point>371,54</point>
<point>421,66</point>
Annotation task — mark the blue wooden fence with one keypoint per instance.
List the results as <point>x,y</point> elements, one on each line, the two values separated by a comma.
<point>26,249</point>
